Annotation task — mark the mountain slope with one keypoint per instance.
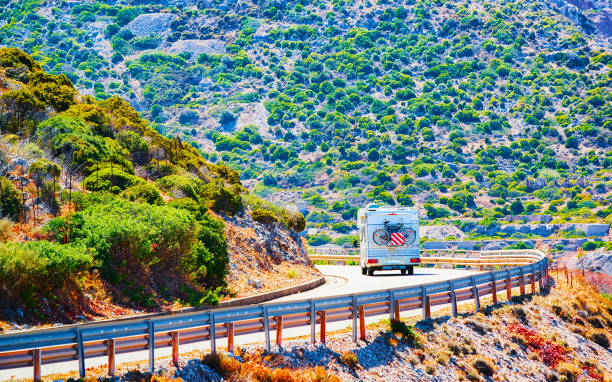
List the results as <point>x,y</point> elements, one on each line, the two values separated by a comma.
<point>466,106</point>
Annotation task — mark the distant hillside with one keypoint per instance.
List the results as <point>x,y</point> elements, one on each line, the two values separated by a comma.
<point>472,110</point>
<point>101,215</point>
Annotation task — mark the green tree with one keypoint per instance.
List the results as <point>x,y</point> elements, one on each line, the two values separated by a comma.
<point>517,207</point>
<point>10,200</point>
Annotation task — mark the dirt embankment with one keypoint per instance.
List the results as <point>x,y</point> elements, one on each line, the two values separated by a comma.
<point>265,257</point>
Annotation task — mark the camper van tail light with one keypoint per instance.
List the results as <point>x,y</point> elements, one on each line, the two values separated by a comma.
<point>415,260</point>
<point>372,261</point>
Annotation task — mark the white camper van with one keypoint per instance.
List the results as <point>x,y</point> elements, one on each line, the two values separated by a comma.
<point>389,238</point>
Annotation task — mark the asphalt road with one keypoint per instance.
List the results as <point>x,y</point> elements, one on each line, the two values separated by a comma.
<point>340,280</point>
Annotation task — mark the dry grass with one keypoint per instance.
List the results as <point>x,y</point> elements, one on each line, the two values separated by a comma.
<point>568,372</point>
<point>6,229</point>
<point>254,369</point>
<point>600,337</point>
<point>430,366</point>
<point>350,360</point>
<point>484,365</point>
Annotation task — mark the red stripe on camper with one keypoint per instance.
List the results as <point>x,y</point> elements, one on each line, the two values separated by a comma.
<point>397,238</point>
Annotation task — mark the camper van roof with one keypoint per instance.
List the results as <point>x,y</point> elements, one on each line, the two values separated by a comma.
<point>375,207</point>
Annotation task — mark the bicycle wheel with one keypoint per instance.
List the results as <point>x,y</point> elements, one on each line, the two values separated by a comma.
<point>409,235</point>
<point>381,237</point>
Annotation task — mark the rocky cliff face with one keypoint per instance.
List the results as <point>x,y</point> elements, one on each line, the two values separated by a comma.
<point>264,257</point>
<point>594,16</point>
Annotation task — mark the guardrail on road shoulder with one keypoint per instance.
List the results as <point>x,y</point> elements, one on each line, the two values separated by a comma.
<point>79,342</point>
<point>481,259</point>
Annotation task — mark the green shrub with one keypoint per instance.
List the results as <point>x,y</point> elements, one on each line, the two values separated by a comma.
<point>220,198</point>
<point>211,235</point>
<point>263,216</point>
<point>47,195</point>
<point>10,200</point>
<point>319,239</point>
<point>83,200</point>
<point>138,245</point>
<point>15,58</point>
<point>70,137</point>
<point>436,212</point>
<point>346,239</point>
<point>53,90</point>
<point>180,186</point>
<point>592,245</point>
<point>407,331</point>
<point>111,179</point>
<point>294,221</point>
<point>143,192</point>
<point>131,141</point>
<point>43,169</point>
<point>291,219</point>
<point>35,270</point>
<point>20,110</point>
<point>519,245</point>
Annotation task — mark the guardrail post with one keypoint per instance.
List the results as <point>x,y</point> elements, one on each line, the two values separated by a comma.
<point>508,285</point>
<point>37,360</point>
<point>81,352</point>
<point>151,346</point>
<point>176,338</point>
<point>323,326</point>
<point>453,297</point>
<point>522,282</point>
<point>476,296</point>
<point>533,272</point>
<point>397,310</point>
<point>266,327</point>
<point>354,308</point>
<point>424,302</point>
<point>313,322</point>
<point>540,276</point>
<point>362,328</point>
<point>494,288</point>
<point>110,346</point>
<point>279,330</point>
<point>428,307</point>
<point>391,305</point>
<point>212,330</point>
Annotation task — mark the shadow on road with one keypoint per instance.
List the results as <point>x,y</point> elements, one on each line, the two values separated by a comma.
<point>398,275</point>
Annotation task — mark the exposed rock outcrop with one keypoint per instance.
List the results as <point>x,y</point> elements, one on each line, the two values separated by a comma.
<point>264,257</point>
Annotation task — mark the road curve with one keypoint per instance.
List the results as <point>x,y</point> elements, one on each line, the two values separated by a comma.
<point>341,279</point>
<point>345,279</point>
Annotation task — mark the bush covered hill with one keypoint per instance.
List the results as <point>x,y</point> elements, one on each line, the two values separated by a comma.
<point>97,208</point>
<point>477,109</point>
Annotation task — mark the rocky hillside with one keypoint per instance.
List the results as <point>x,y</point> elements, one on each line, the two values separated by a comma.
<point>101,216</point>
<point>471,110</point>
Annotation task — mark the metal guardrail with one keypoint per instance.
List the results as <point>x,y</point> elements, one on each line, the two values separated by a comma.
<point>469,258</point>
<point>79,342</point>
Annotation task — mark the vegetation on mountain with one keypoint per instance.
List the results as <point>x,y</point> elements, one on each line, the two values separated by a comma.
<point>473,108</point>
<point>93,188</point>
